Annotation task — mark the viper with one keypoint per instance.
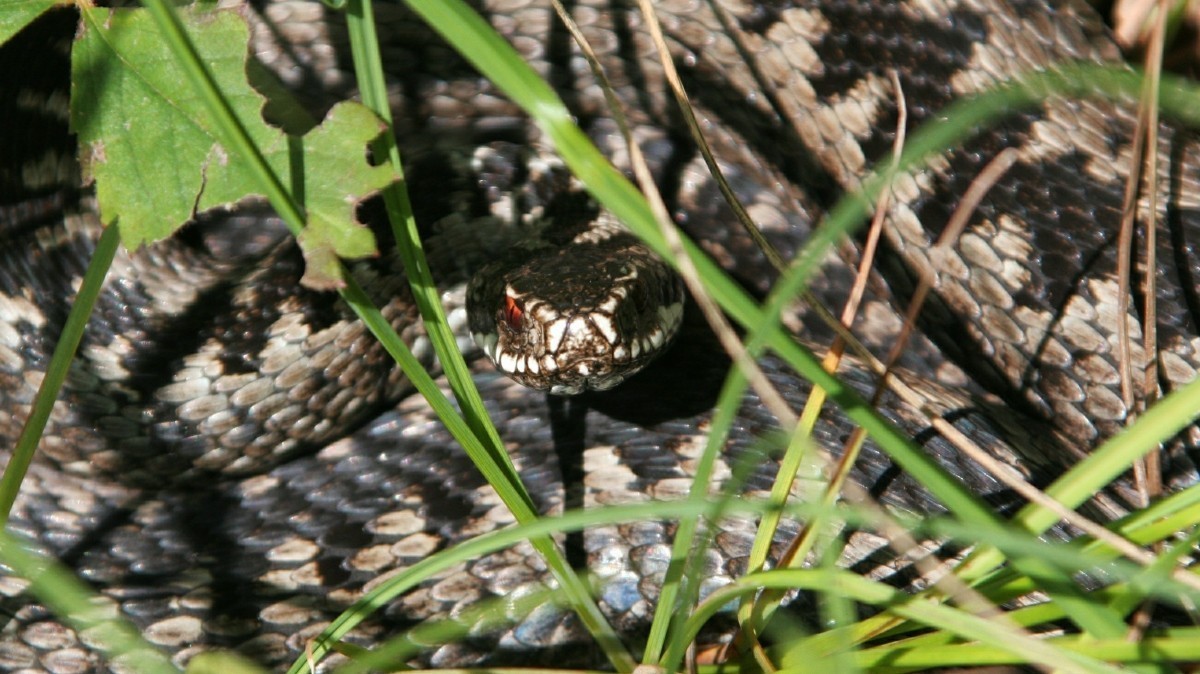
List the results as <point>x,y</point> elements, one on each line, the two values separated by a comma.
<point>223,486</point>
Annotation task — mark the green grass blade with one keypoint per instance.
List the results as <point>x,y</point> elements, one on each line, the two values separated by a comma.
<point>680,586</point>
<point>934,614</point>
<point>369,72</point>
<point>486,449</point>
<point>56,372</point>
<point>80,608</point>
<point>1176,646</point>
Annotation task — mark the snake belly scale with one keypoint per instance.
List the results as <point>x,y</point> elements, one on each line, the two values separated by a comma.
<point>275,518</point>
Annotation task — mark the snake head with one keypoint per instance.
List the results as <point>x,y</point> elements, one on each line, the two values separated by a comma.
<point>576,315</point>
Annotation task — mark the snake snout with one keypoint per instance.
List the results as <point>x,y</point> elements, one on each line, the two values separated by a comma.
<point>575,318</point>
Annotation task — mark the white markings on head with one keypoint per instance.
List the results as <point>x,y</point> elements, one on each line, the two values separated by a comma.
<point>555,332</point>
<point>507,361</point>
<point>579,326</point>
<point>605,325</point>
<point>609,306</point>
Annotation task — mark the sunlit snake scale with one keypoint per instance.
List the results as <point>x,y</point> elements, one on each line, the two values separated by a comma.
<point>240,520</point>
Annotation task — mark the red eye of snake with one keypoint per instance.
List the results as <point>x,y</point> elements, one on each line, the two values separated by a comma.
<point>513,313</point>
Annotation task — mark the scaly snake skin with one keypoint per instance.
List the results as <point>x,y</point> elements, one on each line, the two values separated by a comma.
<point>797,101</point>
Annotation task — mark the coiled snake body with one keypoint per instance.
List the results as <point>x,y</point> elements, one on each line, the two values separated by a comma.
<point>260,541</point>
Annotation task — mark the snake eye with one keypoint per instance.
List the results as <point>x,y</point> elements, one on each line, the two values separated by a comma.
<point>514,315</point>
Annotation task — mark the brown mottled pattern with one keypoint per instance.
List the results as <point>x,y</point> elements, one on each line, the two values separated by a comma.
<point>163,479</point>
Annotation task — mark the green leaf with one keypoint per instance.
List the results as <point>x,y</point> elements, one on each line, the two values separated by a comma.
<point>332,230</point>
<point>158,157</point>
<point>16,14</point>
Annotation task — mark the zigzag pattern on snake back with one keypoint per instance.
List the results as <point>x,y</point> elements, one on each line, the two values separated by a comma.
<point>259,541</point>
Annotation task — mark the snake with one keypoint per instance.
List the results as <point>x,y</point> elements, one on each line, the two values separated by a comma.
<point>276,516</point>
